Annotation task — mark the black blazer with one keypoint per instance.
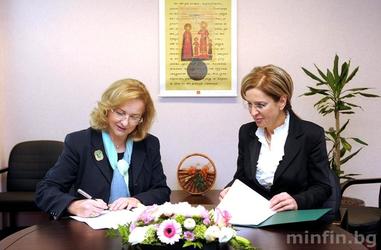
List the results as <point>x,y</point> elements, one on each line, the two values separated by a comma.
<point>303,172</point>
<point>77,167</point>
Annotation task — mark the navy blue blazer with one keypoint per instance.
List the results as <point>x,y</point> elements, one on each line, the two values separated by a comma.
<point>303,171</point>
<point>77,167</point>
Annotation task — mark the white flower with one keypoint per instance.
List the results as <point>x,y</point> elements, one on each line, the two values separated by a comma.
<point>169,231</point>
<point>167,209</point>
<point>137,235</point>
<point>189,223</point>
<point>226,233</point>
<point>212,233</point>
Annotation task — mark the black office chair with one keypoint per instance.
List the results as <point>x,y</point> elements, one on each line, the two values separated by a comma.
<point>28,163</point>
<point>363,221</point>
<point>333,201</point>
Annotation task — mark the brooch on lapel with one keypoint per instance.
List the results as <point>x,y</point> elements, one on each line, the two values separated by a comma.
<point>98,155</point>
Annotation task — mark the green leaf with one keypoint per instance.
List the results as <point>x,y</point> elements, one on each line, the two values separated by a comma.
<point>351,174</point>
<point>353,105</point>
<point>343,127</point>
<point>321,74</point>
<point>347,176</point>
<point>335,67</point>
<point>331,81</point>
<point>350,156</point>
<point>358,141</point>
<point>342,152</point>
<point>356,89</point>
<point>323,101</point>
<point>368,95</point>
<point>342,106</point>
<point>345,144</point>
<point>318,91</point>
<point>312,75</point>
<point>344,73</point>
<point>194,244</point>
<point>352,74</point>
<point>348,96</point>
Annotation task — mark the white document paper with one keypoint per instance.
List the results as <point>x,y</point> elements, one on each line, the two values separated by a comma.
<point>245,205</point>
<point>110,219</point>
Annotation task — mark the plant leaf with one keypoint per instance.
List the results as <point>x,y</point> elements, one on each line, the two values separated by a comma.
<point>345,144</point>
<point>352,74</point>
<point>352,105</point>
<point>348,176</point>
<point>342,106</point>
<point>344,73</point>
<point>358,141</point>
<point>356,89</point>
<point>348,96</point>
<point>343,127</point>
<point>331,81</point>
<point>321,74</point>
<point>368,95</point>
<point>312,75</point>
<point>350,156</point>
<point>335,67</point>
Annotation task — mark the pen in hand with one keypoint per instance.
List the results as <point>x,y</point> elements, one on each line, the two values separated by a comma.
<point>84,194</point>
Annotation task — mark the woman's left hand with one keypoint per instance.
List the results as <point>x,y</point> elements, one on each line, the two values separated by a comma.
<point>283,202</point>
<point>124,203</point>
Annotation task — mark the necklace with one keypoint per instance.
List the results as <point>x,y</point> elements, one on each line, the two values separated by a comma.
<point>118,146</point>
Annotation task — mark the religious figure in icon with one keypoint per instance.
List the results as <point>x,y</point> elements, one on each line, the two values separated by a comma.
<point>187,48</point>
<point>204,34</point>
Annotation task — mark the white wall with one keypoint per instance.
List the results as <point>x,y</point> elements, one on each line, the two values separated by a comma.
<point>2,91</point>
<point>61,55</point>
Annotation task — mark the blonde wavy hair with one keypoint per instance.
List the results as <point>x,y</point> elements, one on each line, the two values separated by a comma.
<point>115,95</point>
<point>272,80</point>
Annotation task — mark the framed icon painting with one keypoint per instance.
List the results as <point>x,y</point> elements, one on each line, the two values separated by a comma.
<point>198,44</point>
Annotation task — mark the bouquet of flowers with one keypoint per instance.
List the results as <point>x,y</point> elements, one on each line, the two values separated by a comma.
<point>171,224</point>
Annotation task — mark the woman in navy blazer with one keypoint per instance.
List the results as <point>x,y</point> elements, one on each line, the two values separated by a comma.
<point>280,156</point>
<point>119,123</point>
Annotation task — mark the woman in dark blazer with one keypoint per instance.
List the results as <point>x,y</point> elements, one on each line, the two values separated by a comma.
<point>116,161</point>
<point>280,156</point>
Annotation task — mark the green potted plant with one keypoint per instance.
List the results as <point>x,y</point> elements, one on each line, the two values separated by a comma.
<point>337,99</point>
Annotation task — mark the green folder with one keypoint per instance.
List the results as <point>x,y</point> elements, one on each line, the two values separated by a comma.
<point>292,217</point>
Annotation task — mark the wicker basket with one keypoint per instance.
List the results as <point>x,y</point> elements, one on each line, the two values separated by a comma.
<point>196,173</point>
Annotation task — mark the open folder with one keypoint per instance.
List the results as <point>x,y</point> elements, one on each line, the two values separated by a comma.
<point>248,208</point>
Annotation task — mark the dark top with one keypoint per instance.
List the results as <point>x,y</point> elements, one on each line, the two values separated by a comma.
<point>84,164</point>
<point>303,171</point>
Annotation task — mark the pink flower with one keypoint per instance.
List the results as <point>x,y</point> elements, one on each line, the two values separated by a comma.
<point>222,217</point>
<point>206,217</point>
<point>188,235</point>
<point>169,231</point>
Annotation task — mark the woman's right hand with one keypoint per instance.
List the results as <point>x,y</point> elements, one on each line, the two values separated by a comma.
<point>87,207</point>
<point>223,193</point>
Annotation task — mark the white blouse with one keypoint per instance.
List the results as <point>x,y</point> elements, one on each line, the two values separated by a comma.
<point>269,158</point>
